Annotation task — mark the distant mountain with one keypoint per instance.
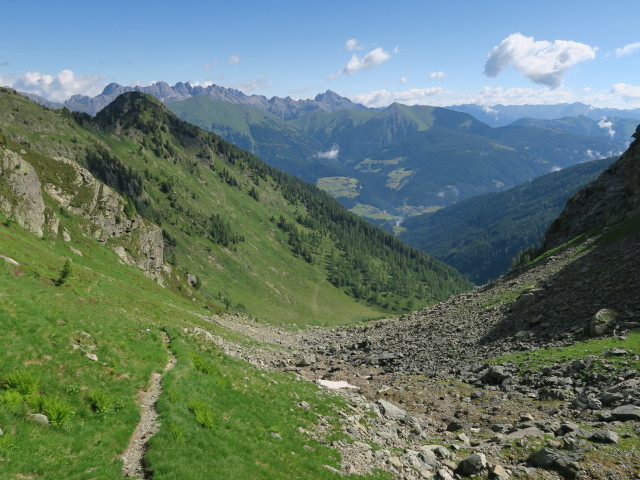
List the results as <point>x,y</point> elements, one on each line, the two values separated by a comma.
<point>609,199</point>
<point>479,236</point>
<point>614,128</point>
<point>395,162</point>
<point>285,108</point>
<point>501,115</point>
<point>386,164</point>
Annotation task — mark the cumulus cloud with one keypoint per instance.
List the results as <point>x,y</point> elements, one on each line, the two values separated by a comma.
<point>439,74</point>
<point>628,49</point>
<point>542,62</point>
<point>607,125</point>
<point>233,59</point>
<point>330,154</point>
<point>413,96</point>
<point>372,59</point>
<point>403,80</point>
<point>352,44</point>
<point>629,93</point>
<point>58,87</point>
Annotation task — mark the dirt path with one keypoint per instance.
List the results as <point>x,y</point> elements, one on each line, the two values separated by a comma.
<point>132,458</point>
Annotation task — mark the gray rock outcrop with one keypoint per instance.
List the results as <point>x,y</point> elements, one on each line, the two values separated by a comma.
<point>22,198</point>
<point>21,193</point>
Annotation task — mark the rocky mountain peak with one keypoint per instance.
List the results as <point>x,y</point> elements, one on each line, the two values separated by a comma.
<point>285,108</point>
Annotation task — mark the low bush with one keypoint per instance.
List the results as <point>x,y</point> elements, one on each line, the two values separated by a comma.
<point>202,412</point>
<point>23,381</point>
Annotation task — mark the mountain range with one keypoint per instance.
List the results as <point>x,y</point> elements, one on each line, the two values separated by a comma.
<point>395,162</point>
<point>501,115</point>
<point>285,108</point>
<point>392,163</point>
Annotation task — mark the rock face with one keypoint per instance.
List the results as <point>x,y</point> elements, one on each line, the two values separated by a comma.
<point>22,198</point>
<point>21,193</point>
<point>613,196</point>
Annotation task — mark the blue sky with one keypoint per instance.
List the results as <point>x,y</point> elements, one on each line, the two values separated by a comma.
<point>374,52</point>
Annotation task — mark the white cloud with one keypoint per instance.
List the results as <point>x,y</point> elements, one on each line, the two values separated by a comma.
<point>439,74</point>
<point>403,80</point>
<point>58,87</point>
<point>628,92</point>
<point>233,59</point>
<point>383,98</point>
<point>542,62</point>
<point>352,44</point>
<point>628,49</point>
<point>372,59</point>
<point>607,125</point>
<point>330,154</point>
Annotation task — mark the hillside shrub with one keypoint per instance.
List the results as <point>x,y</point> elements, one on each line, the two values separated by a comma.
<point>202,412</point>
<point>23,381</point>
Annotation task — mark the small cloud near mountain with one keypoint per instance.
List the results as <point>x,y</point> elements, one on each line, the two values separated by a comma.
<point>607,125</point>
<point>330,154</point>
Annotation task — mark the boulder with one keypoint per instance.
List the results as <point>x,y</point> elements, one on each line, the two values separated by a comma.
<point>604,436</point>
<point>550,459</point>
<point>39,418</point>
<point>603,321</point>
<point>472,464</point>
<point>497,472</point>
<point>626,412</point>
<point>391,411</point>
<point>305,360</point>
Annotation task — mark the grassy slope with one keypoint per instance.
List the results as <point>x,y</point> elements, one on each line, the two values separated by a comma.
<point>115,312</point>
